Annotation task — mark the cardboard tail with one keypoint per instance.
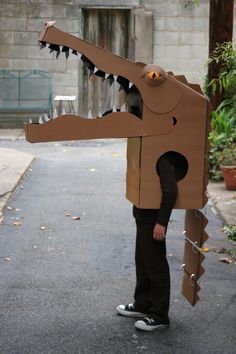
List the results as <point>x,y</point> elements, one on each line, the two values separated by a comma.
<point>195,236</point>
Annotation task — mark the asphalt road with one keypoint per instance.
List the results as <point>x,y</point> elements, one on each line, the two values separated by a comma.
<point>61,279</point>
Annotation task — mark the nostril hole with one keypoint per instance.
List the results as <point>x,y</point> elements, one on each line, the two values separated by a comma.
<point>174,120</point>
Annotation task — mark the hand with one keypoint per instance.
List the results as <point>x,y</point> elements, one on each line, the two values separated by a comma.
<point>159,232</point>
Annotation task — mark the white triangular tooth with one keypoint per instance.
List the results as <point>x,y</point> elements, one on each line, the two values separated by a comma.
<point>130,84</point>
<point>79,55</point>
<point>106,75</point>
<point>99,114</point>
<point>123,108</point>
<point>63,111</point>
<point>114,109</point>
<point>54,113</point>
<point>90,114</point>
<point>46,118</point>
<point>95,69</point>
<point>115,77</point>
<point>40,120</point>
<point>30,121</point>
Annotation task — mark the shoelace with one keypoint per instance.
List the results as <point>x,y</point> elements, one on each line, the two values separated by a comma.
<point>131,307</point>
<point>149,320</point>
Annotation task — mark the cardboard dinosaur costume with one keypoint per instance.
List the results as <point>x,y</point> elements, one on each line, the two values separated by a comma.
<point>165,113</point>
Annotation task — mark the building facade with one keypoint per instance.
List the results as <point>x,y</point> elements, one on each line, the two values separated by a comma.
<point>164,32</point>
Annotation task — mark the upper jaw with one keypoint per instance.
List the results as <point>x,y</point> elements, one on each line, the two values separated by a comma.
<point>100,61</point>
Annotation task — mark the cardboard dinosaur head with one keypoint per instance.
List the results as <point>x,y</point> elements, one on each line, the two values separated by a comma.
<point>163,114</point>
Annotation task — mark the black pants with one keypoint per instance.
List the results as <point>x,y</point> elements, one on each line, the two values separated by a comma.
<point>152,291</point>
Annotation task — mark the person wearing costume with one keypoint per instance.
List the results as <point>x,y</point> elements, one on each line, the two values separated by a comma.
<point>152,290</point>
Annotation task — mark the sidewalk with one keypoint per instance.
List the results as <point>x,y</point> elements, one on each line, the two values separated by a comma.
<point>14,164</point>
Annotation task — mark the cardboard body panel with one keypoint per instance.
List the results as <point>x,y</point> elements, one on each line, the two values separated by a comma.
<point>187,137</point>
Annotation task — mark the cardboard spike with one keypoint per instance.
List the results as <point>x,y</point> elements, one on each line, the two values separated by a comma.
<point>49,24</point>
<point>100,115</point>
<point>57,55</point>
<point>182,79</point>
<point>30,121</point>
<point>114,109</point>
<point>46,118</point>
<point>95,69</point>
<point>106,76</point>
<point>54,113</point>
<point>123,108</point>
<point>79,56</point>
<point>63,111</point>
<point>40,120</point>
<point>205,237</point>
<point>90,114</point>
<point>130,85</point>
<point>43,45</point>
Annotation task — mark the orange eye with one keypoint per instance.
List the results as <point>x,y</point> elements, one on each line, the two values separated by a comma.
<point>153,75</point>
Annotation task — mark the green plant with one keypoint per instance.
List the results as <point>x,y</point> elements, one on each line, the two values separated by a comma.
<point>227,157</point>
<point>223,123</point>
<point>222,139</point>
<point>192,2</point>
<point>230,231</point>
<point>219,143</point>
<point>225,55</point>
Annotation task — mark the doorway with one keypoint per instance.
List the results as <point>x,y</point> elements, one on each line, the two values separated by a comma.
<point>110,29</point>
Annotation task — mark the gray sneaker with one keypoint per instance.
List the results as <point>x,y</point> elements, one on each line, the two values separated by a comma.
<point>150,324</point>
<point>129,311</point>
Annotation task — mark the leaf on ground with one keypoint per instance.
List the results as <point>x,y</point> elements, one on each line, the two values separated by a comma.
<point>43,227</point>
<point>7,258</point>
<point>205,249</point>
<point>9,208</point>
<point>75,217</point>
<point>17,209</point>
<point>225,260</point>
<point>92,169</point>
<point>17,223</point>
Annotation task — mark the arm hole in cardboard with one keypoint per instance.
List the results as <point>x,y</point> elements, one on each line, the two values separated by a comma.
<point>179,161</point>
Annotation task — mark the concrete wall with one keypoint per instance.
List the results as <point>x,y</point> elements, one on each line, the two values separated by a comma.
<point>179,41</point>
<point>21,20</point>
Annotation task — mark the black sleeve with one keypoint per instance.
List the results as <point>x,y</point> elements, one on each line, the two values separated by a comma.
<point>166,172</point>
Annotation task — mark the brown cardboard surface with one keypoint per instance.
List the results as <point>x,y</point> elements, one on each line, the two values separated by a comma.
<point>193,259</point>
<point>174,118</point>
<point>190,289</point>
<point>164,101</point>
<point>195,223</point>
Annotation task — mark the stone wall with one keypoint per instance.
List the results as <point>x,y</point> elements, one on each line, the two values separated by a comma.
<point>179,40</point>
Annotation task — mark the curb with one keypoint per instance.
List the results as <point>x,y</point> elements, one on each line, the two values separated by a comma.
<point>13,167</point>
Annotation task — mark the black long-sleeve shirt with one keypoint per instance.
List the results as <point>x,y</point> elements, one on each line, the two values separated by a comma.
<point>166,169</point>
